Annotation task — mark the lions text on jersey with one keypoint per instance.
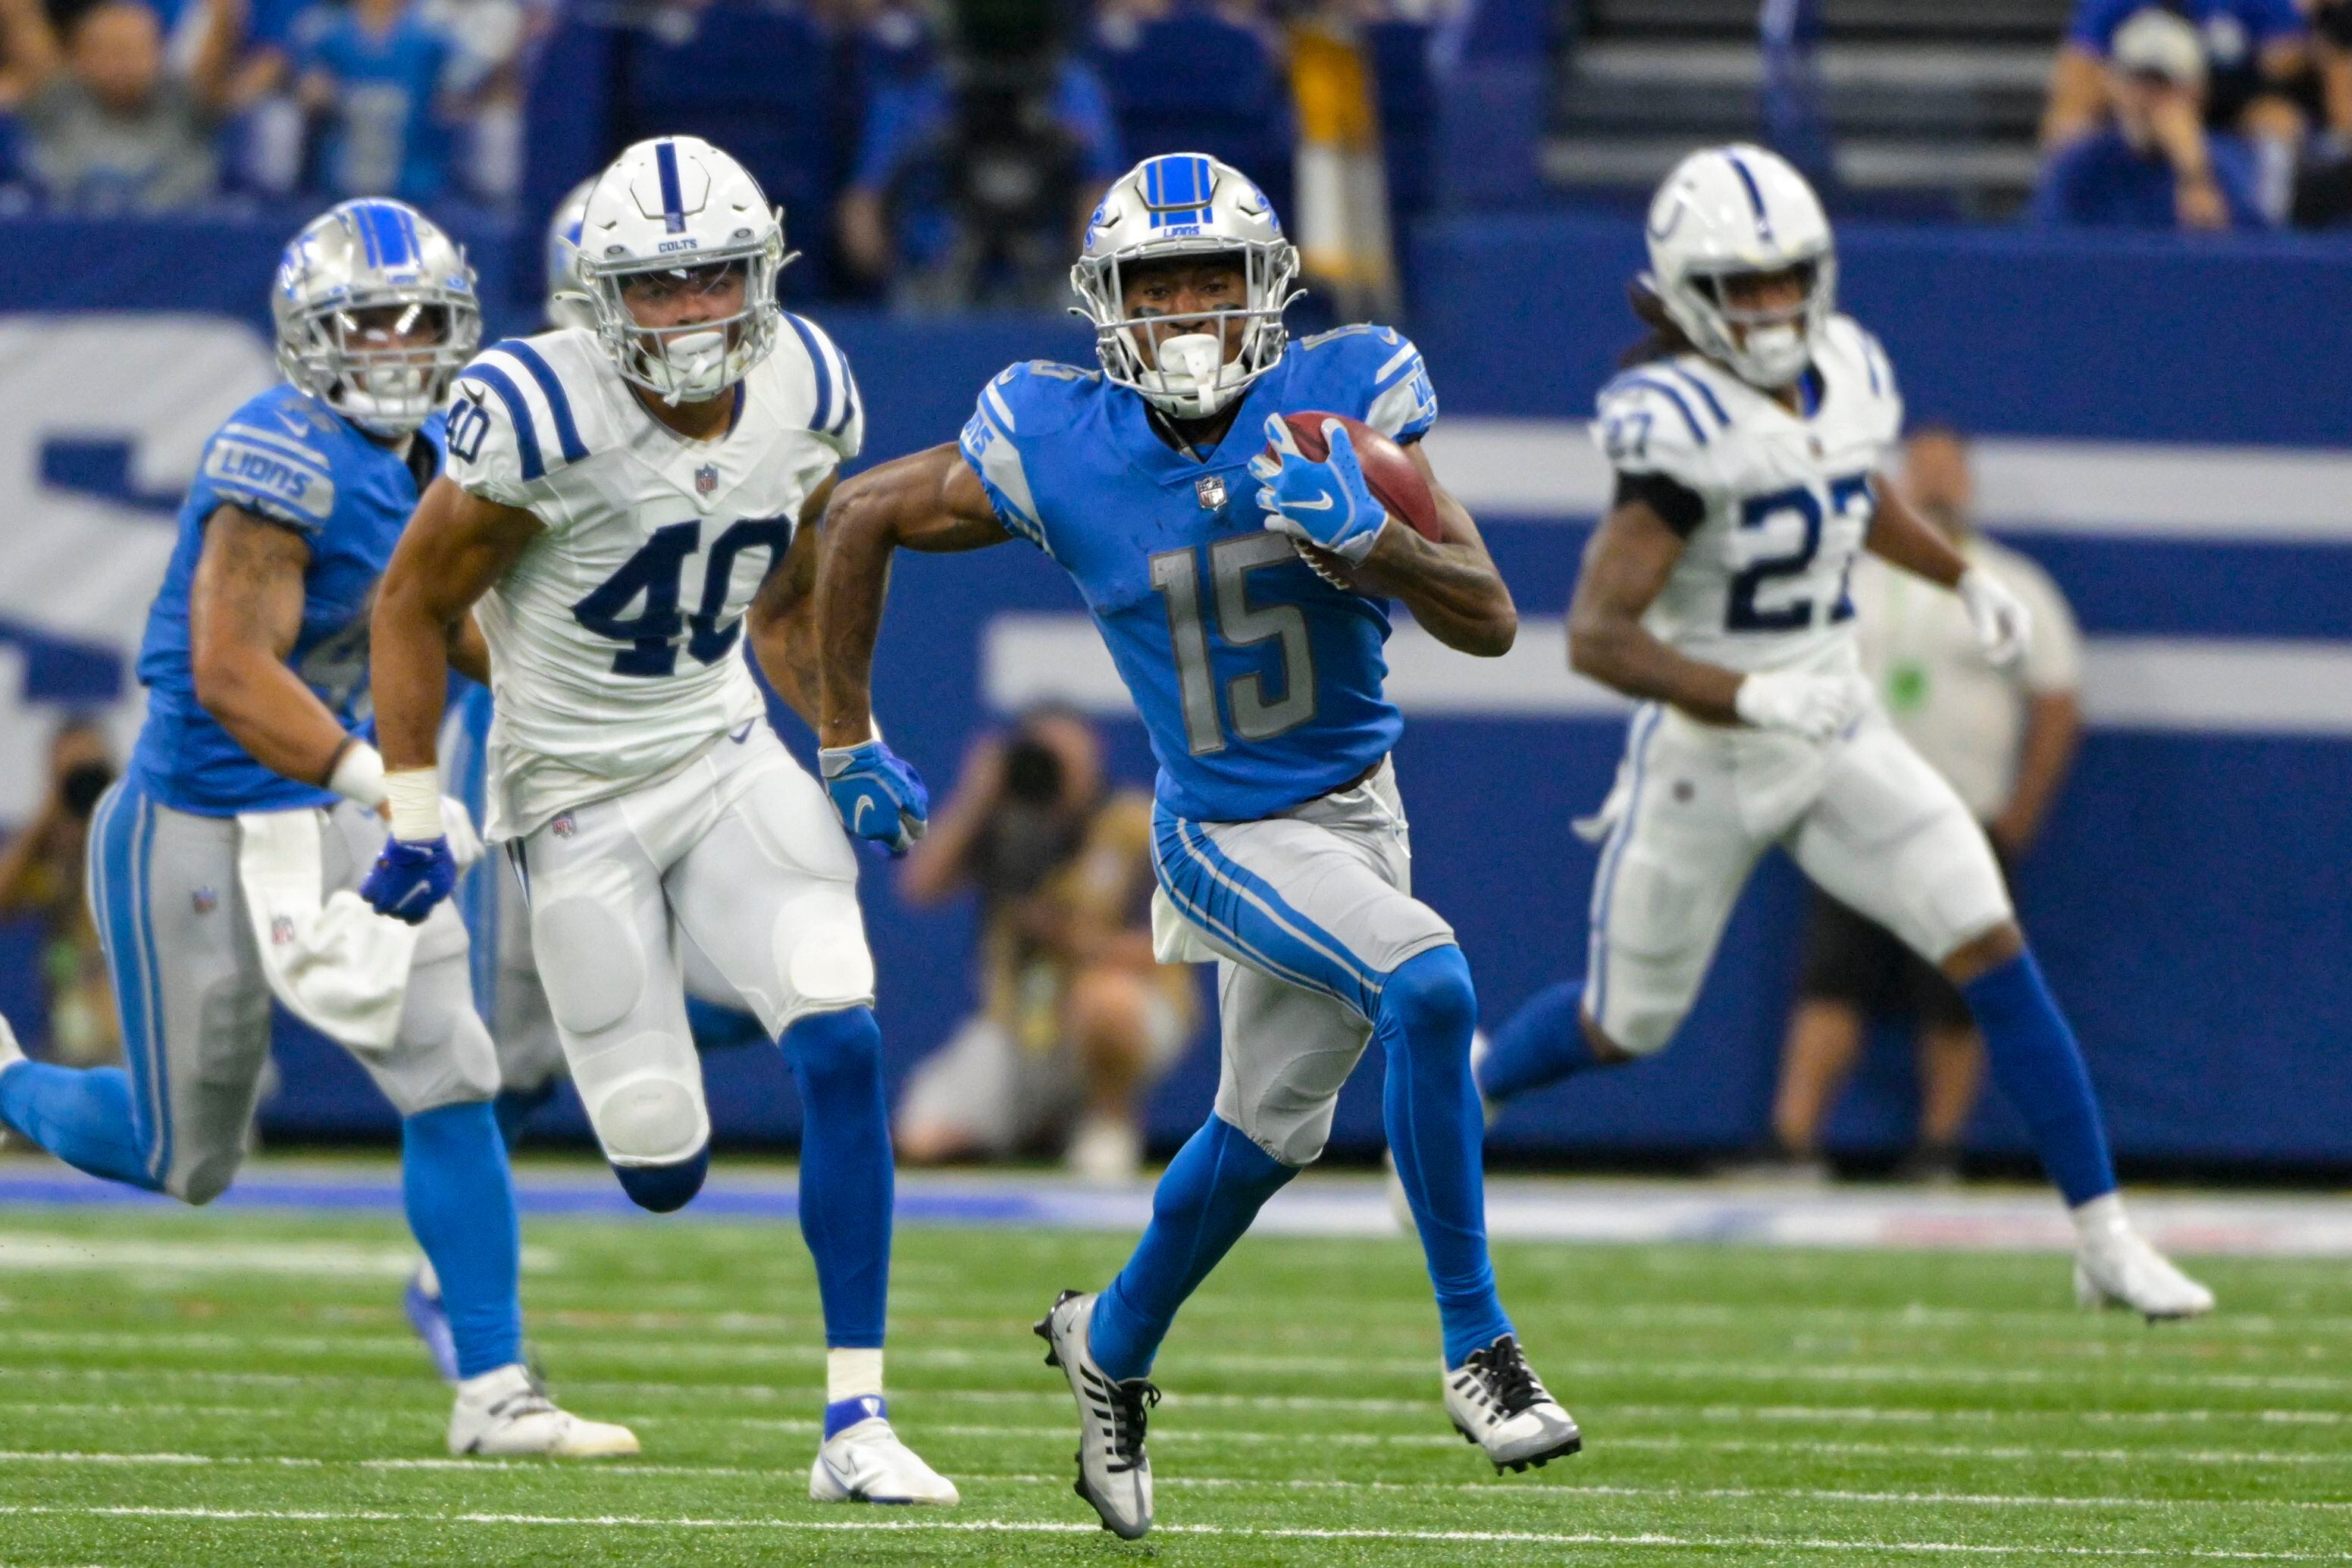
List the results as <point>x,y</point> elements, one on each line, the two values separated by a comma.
<point>286,458</point>
<point>1259,682</point>
<point>1787,497</point>
<point>616,638</point>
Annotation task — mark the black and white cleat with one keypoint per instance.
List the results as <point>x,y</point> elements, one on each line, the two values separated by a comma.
<point>1114,1472</point>
<point>1498,1403</point>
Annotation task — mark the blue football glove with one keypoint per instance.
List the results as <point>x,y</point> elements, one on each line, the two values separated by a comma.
<point>1325,504</point>
<point>410,877</point>
<point>877,794</point>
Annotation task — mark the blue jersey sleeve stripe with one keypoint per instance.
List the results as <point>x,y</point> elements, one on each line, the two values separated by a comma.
<point>1651,383</point>
<point>1713,403</point>
<point>559,402</point>
<point>517,414</point>
<point>848,403</point>
<point>821,418</point>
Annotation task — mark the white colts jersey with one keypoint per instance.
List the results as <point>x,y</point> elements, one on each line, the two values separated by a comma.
<point>1783,499</point>
<point>616,638</point>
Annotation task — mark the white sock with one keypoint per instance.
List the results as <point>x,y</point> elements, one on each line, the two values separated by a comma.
<point>852,1375</point>
<point>2101,1217</point>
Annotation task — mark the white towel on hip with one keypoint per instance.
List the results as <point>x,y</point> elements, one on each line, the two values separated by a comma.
<point>336,964</point>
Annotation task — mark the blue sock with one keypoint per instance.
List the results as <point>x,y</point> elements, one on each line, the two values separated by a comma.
<point>845,1175</point>
<point>1428,1009</point>
<point>2038,1065</point>
<point>81,1114</point>
<point>1543,1044</point>
<point>461,1205</point>
<point>1213,1189</point>
<point>514,1108</point>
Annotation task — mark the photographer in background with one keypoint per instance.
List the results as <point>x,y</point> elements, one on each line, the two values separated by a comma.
<point>1076,1022</point>
<point>976,170</point>
<point>2004,738</point>
<point>41,879</point>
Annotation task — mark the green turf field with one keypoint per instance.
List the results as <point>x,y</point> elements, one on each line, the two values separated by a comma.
<point>239,1388</point>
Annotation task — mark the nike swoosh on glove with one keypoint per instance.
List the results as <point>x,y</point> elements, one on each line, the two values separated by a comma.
<point>409,877</point>
<point>878,796</point>
<point>1328,504</point>
<point>2003,623</point>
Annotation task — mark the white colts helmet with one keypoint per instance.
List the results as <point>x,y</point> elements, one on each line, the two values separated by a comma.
<point>1184,204</point>
<point>568,304</point>
<point>1729,211</point>
<point>677,204</point>
<point>371,256</point>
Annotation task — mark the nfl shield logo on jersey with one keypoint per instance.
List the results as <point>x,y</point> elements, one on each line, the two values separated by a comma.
<point>706,479</point>
<point>1211,489</point>
<point>281,930</point>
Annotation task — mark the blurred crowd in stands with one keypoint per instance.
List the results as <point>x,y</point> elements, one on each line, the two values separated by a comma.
<point>2201,115</point>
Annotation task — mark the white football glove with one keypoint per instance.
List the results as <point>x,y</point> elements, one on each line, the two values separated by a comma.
<point>464,843</point>
<point>1796,702</point>
<point>2004,624</point>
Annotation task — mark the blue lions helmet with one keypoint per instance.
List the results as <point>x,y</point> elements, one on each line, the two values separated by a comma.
<point>1178,205</point>
<point>352,290</point>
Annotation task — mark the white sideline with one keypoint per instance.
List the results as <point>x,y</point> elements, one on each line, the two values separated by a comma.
<point>1561,1494</point>
<point>1256,1532</point>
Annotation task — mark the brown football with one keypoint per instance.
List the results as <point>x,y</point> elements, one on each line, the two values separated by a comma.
<point>1395,482</point>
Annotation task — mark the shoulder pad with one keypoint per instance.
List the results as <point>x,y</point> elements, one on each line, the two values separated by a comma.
<point>514,420</point>
<point>837,414</point>
<point>1373,372</point>
<point>1660,418</point>
<point>276,457</point>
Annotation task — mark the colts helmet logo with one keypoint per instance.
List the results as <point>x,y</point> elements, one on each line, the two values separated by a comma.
<point>706,479</point>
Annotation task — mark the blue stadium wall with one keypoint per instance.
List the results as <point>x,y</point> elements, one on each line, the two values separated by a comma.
<point>2165,426</point>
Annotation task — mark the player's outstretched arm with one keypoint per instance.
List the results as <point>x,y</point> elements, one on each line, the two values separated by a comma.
<point>452,551</point>
<point>1626,565</point>
<point>1450,586</point>
<point>782,617</point>
<point>929,501</point>
<point>245,614</point>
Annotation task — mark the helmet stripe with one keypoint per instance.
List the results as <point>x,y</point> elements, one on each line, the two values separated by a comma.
<point>1176,188</point>
<point>1755,197</point>
<point>673,200</point>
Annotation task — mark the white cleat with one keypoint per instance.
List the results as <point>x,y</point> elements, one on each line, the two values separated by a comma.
<point>506,1414</point>
<point>867,1463</point>
<point>1399,1206</point>
<point>1497,1402</point>
<point>2115,1267</point>
<point>1114,1472</point>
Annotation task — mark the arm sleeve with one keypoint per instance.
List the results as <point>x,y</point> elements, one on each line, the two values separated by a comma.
<point>283,480</point>
<point>990,449</point>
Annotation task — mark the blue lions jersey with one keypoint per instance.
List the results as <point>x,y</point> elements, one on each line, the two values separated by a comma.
<point>287,458</point>
<point>1259,682</point>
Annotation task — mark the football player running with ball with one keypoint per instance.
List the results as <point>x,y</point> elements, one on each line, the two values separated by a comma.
<point>625,503</point>
<point>1747,441</point>
<point>1170,487</point>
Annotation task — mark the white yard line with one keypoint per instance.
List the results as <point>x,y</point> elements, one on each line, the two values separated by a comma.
<point>1565,1493</point>
<point>1246,1532</point>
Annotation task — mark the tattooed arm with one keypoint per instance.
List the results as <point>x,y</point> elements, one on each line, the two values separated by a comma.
<point>783,619</point>
<point>244,616</point>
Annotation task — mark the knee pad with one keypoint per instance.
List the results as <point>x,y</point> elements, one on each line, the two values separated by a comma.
<point>822,959</point>
<point>1430,998</point>
<point>665,1188</point>
<point>835,1044</point>
<point>589,963</point>
<point>1953,890</point>
<point>649,1118</point>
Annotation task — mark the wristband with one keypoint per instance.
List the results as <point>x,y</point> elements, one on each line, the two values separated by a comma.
<point>357,773</point>
<point>414,795</point>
